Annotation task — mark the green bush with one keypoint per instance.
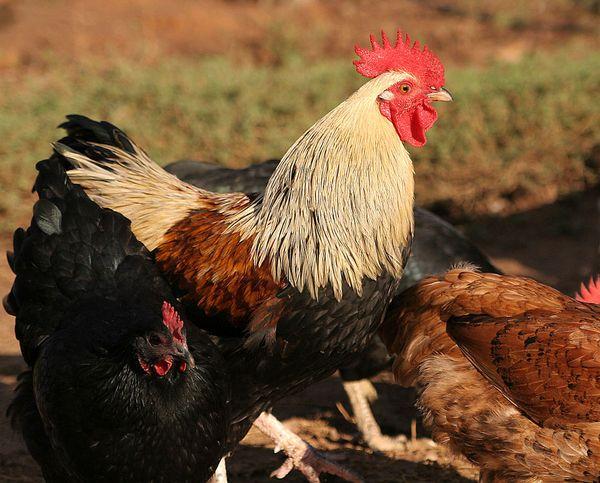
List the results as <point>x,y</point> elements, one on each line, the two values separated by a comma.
<point>522,131</point>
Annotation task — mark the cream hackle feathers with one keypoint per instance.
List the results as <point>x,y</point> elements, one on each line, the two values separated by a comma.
<point>338,207</point>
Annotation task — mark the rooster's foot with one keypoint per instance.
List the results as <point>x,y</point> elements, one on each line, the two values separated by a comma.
<point>382,443</point>
<point>361,394</point>
<point>300,455</point>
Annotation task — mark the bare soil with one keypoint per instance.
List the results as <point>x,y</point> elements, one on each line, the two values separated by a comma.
<point>461,31</point>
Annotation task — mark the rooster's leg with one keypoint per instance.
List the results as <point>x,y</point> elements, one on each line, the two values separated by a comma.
<point>220,475</point>
<point>300,455</point>
<point>361,394</point>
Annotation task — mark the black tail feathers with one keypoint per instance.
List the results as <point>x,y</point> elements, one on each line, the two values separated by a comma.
<point>71,250</point>
<point>85,136</point>
<point>82,130</point>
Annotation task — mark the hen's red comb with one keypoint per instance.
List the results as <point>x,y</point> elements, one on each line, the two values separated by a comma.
<point>423,64</point>
<point>173,322</point>
<point>591,293</point>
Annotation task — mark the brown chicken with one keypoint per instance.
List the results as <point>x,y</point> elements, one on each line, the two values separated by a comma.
<point>507,371</point>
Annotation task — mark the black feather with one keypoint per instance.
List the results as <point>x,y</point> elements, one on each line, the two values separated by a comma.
<point>85,129</point>
<point>10,258</point>
<point>47,217</point>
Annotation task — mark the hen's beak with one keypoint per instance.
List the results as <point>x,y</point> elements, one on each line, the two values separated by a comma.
<point>182,352</point>
<point>441,95</point>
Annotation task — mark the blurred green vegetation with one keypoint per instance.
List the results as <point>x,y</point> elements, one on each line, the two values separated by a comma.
<point>516,132</point>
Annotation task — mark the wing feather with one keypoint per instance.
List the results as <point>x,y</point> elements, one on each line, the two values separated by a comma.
<point>547,363</point>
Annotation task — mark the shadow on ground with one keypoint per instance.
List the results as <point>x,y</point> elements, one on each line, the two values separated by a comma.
<point>555,243</point>
<point>259,462</point>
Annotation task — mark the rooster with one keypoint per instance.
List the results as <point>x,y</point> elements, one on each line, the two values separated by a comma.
<point>117,388</point>
<point>507,371</point>
<point>436,247</point>
<point>303,273</point>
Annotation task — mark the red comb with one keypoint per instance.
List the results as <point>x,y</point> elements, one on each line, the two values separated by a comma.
<point>423,64</point>
<point>591,293</point>
<point>173,322</point>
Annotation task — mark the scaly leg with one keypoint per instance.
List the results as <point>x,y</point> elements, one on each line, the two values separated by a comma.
<point>300,455</point>
<point>220,475</point>
<point>361,394</point>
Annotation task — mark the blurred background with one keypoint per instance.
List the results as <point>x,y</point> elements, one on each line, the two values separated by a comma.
<point>514,161</point>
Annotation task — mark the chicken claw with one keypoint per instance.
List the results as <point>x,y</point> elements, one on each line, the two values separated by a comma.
<point>361,394</point>
<point>300,455</point>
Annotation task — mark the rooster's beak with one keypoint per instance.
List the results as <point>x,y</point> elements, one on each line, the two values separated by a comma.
<point>441,95</point>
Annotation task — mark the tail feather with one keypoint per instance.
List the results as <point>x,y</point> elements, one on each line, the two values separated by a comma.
<point>71,250</point>
<point>10,258</point>
<point>117,174</point>
<point>18,237</point>
<point>84,129</point>
<point>9,301</point>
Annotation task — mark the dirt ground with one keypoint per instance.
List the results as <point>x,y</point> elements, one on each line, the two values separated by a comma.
<point>554,243</point>
<point>462,32</point>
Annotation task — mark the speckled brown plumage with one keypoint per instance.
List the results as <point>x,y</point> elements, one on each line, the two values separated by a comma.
<point>508,372</point>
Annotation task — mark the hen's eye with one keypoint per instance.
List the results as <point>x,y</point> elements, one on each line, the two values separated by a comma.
<point>405,88</point>
<point>154,340</point>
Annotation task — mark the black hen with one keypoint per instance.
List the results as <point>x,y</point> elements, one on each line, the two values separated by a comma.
<point>116,390</point>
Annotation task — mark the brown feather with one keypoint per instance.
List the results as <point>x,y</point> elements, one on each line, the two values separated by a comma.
<point>544,362</point>
<point>214,266</point>
<point>521,397</point>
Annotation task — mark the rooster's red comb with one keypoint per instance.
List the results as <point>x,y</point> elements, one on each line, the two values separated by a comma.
<point>402,56</point>
<point>173,322</point>
<point>591,293</point>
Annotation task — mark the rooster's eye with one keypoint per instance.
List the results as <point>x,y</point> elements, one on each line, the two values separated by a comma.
<point>154,340</point>
<point>405,88</point>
